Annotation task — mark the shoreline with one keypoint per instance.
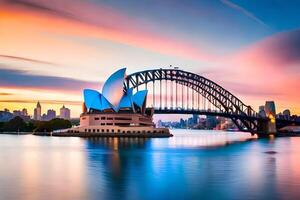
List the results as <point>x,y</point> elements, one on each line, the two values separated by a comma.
<point>86,135</point>
<point>145,135</point>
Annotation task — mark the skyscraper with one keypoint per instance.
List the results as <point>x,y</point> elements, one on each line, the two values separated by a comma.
<point>51,114</point>
<point>37,112</point>
<point>65,113</point>
<point>261,111</point>
<point>270,108</point>
<point>271,114</point>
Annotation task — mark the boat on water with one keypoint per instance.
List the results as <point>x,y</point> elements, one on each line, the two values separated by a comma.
<point>115,113</point>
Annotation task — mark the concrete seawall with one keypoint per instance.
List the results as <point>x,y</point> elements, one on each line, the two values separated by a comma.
<point>81,134</point>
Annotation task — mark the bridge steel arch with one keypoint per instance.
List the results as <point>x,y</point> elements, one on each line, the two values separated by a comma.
<point>227,104</point>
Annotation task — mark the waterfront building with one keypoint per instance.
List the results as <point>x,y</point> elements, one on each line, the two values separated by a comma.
<point>182,123</point>
<point>211,122</point>
<point>65,113</point>
<point>115,112</point>
<point>195,119</point>
<point>37,115</point>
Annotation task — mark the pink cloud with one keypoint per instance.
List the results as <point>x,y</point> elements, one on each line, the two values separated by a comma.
<point>108,23</point>
<point>271,65</point>
<point>278,51</point>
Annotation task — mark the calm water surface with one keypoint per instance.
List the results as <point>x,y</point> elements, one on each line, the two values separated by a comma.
<point>190,165</point>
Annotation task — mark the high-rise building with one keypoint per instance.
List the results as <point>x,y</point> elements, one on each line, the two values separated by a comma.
<point>37,112</point>
<point>65,113</point>
<point>271,114</point>
<point>51,114</point>
<point>261,111</point>
<point>270,108</point>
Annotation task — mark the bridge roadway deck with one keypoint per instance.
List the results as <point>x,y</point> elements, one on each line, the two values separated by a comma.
<point>203,112</point>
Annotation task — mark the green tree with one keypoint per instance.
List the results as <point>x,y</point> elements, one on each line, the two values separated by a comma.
<point>54,124</point>
<point>15,125</point>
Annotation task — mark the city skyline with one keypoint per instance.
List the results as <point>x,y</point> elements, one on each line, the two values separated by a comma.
<point>252,54</point>
<point>39,113</point>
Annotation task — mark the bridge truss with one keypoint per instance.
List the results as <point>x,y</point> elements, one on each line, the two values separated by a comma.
<point>174,91</point>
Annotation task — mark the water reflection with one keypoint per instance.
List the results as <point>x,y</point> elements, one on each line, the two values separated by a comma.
<point>207,139</point>
<point>187,166</point>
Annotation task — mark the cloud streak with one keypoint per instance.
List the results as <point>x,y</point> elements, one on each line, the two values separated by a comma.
<point>59,102</point>
<point>21,79</point>
<point>5,94</point>
<point>26,59</point>
<point>243,11</point>
<point>280,51</point>
<point>40,7</point>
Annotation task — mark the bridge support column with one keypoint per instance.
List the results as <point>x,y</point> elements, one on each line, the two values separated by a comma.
<point>266,127</point>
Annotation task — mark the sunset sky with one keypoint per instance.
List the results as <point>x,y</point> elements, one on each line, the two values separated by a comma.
<point>51,49</point>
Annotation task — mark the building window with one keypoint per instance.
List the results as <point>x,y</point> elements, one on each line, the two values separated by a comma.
<point>102,118</point>
<point>83,118</point>
<point>102,124</point>
<point>112,130</point>
<point>97,130</point>
<point>85,130</point>
<point>109,124</point>
<point>102,130</point>
<point>89,130</point>
<point>107,130</point>
<point>109,118</point>
<point>120,118</point>
<point>94,130</point>
<point>119,131</point>
<point>96,118</point>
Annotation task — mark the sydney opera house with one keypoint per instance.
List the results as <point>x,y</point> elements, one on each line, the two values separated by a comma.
<point>116,112</point>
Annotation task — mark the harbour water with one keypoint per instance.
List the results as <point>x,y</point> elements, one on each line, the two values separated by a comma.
<point>190,165</point>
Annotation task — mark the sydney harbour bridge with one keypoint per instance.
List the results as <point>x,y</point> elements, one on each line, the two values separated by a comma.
<point>174,91</point>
